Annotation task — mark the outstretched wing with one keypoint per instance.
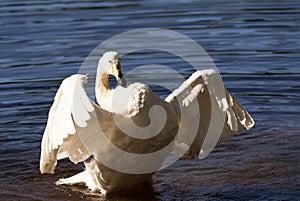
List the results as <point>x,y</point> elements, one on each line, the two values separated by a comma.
<point>70,111</point>
<point>77,128</point>
<point>207,113</point>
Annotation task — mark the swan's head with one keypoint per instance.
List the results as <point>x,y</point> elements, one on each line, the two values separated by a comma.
<point>110,64</point>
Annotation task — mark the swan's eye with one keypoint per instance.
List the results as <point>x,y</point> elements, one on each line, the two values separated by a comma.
<point>110,61</point>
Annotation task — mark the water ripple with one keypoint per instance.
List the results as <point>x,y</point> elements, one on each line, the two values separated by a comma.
<point>255,45</point>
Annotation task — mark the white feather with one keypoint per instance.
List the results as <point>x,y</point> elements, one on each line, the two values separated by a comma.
<point>225,109</point>
<point>69,103</point>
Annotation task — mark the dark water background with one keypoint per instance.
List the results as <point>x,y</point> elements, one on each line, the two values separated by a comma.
<point>255,45</point>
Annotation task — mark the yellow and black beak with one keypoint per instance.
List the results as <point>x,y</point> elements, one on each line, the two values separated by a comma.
<point>116,67</point>
<point>117,72</point>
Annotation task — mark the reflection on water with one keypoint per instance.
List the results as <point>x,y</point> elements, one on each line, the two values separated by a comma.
<point>255,45</point>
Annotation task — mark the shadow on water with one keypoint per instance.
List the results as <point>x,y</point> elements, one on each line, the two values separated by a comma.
<point>146,193</point>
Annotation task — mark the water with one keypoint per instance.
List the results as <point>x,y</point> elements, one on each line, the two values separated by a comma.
<point>255,45</point>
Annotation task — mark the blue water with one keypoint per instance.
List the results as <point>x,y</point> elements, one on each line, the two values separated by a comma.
<point>255,45</point>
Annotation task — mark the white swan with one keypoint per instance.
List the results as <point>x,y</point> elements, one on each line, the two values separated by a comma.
<point>75,125</point>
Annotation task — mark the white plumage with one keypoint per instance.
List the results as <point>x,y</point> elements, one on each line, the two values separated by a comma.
<point>129,117</point>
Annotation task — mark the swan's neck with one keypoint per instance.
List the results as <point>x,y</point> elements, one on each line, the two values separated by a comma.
<point>102,89</point>
<point>103,84</point>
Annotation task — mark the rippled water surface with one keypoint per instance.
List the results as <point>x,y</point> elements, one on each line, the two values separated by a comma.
<point>255,45</point>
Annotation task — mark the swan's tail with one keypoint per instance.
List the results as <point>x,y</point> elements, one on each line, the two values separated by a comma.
<point>83,178</point>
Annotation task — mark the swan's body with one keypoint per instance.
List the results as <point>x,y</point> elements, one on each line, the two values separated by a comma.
<point>75,121</point>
